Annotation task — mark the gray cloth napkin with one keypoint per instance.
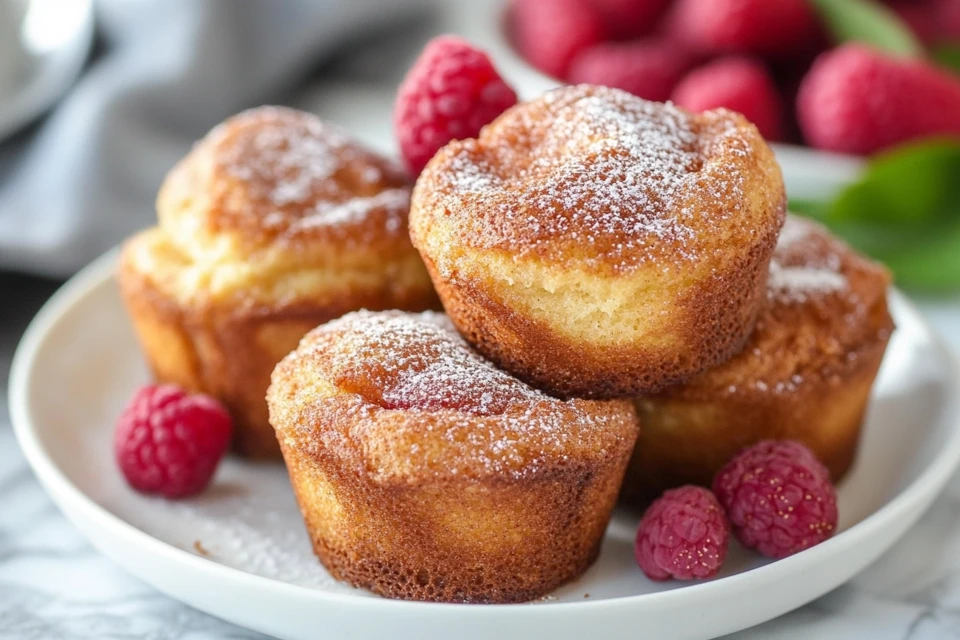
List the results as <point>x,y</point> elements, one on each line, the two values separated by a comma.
<point>170,70</point>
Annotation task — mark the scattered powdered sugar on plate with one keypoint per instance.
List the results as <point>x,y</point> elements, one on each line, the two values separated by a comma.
<point>247,519</point>
<point>804,264</point>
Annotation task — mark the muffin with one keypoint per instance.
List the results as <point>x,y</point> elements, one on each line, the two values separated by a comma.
<point>597,245</point>
<point>805,374</point>
<point>425,473</point>
<point>274,223</point>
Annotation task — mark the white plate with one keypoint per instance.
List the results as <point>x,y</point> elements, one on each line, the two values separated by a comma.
<point>239,552</point>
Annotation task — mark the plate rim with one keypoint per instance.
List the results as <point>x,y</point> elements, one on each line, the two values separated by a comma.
<point>928,484</point>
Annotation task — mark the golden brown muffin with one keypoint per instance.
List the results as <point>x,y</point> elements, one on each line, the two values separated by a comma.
<point>598,245</point>
<point>805,374</point>
<point>273,224</point>
<point>425,473</point>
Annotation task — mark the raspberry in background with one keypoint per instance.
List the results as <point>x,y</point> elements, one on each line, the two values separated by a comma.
<point>683,534</point>
<point>778,497</point>
<point>629,18</point>
<point>450,93</point>
<point>737,83</point>
<point>649,69</point>
<point>920,16</point>
<point>858,100</point>
<point>779,28</point>
<point>948,20</point>
<point>169,442</point>
<point>550,33</point>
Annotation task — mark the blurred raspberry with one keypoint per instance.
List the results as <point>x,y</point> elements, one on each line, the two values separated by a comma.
<point>169,442</point>
<point>781,28</point>
<point>649,69</point>
<point>682,535</point>
<point>857,100</point>
<point>451,91</point>
<point>629,18</point>
<point>737,83</point>
<point>920,16</point>
<point>778,497</point>
<point>550,33</point>
<point>948,20</point>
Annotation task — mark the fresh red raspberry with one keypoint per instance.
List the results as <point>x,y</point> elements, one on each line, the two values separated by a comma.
<point>948,18</point>
<point>450,93</point>
<point>857,100</point>
<point>629,18</point>
<point>736,83</point>
<point>782,28</point>
<point>169,442</point>
<point>682,535</point>
<point>550,33</point>
<point>920,16</point>
<point>649,69</point>
<point>778,497</point>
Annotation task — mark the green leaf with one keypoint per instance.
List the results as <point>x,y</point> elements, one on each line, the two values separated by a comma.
<point>869,22</point>
<point>905,211</point>
<point>948,55</point>
<point>916,183</point>
<point>816,209</point>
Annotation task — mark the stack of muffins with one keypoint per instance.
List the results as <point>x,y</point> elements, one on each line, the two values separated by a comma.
<point>608,266</point>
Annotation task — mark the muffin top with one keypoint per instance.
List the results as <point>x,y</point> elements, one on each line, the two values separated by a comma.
<point>274,208</point>
<point>276,175</point>
<point>598,175</point>
<point>404,397</point>
<point>825,305</point>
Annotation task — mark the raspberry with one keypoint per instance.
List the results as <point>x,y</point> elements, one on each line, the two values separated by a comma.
<point>857,100</point>
<point>682,535</point>
<point>169,442</point>
<point>649,69</point>
<point>778,497</point>
<point>766,27</point>
<point>736,83</point>
<point>450,93</point>
<point>629,18</point>
<point>920,17</point>
<point>947,14</point>
<point>550,33</point>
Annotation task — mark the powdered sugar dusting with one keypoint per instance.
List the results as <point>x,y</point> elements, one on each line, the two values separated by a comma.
<point>474,417</point>
<point>357,209</point>
<point>420,361</point>
<point>298,173</point>
<point>594,165</point>
<point>798,269</point>
<point>247,519</point>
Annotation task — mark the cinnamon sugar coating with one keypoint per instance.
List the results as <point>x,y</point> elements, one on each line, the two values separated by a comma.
<point>277,175</point>
<point>598,245</point>
<point>426,473</point>
<point>274,223</point>
<point>805,374</point>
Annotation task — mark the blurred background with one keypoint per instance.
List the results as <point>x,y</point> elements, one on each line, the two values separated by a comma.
<point>98,99</point>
